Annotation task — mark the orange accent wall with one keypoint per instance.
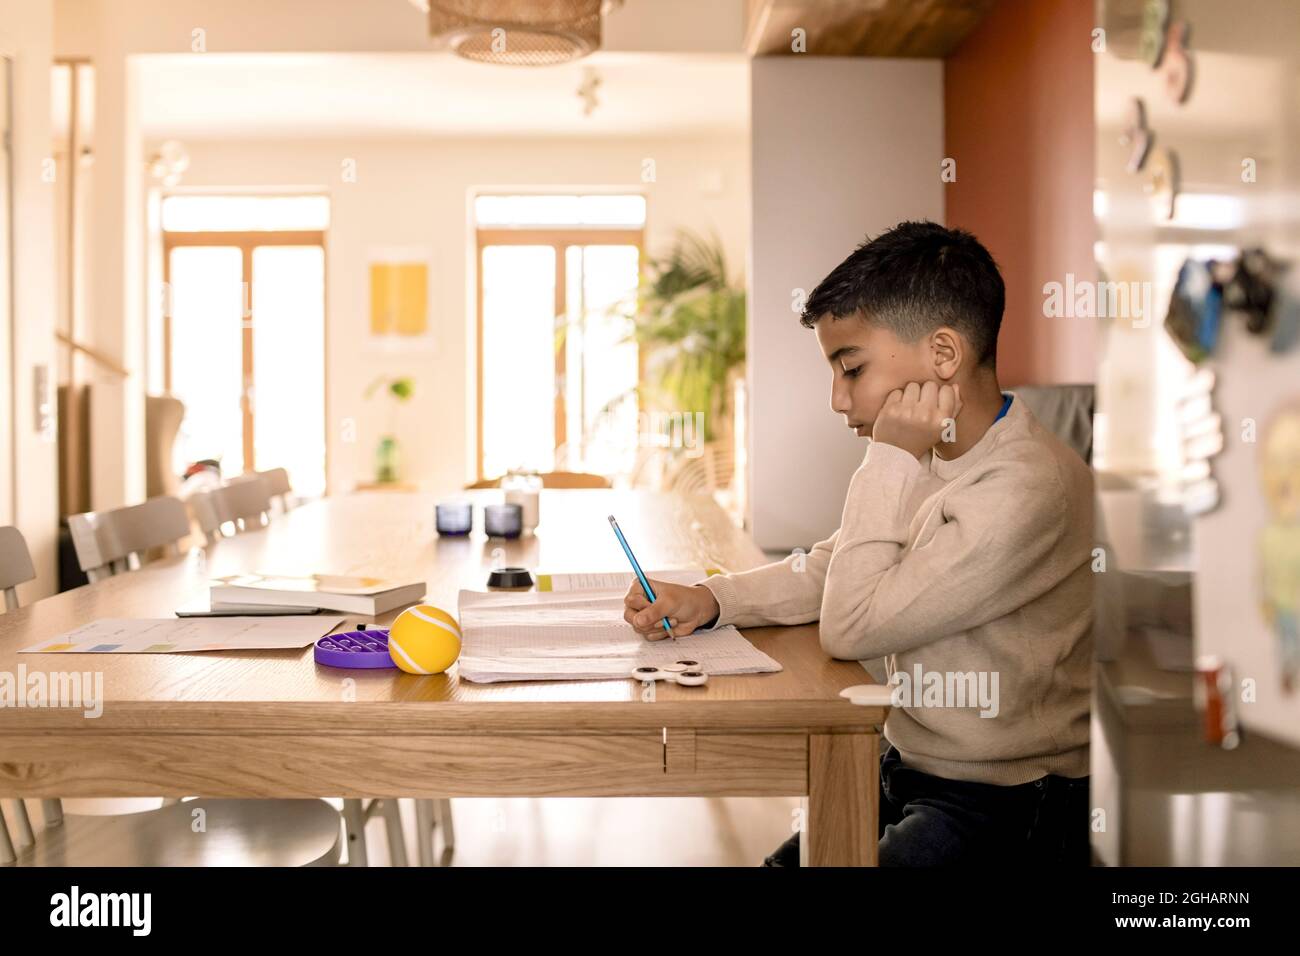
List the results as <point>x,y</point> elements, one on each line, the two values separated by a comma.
<point>1018,120</point>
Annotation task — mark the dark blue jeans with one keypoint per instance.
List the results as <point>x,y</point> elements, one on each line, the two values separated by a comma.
<point>932,821</point>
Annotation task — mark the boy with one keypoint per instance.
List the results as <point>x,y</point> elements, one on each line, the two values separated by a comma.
<point>963,551</point>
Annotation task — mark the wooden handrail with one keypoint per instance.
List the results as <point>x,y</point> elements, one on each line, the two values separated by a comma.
<point>98,356</point>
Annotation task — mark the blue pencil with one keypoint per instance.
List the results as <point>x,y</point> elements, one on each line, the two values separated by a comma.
<point>640,575</point>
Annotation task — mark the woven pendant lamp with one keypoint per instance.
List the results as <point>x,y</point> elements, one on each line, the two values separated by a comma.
<point>518,32</point>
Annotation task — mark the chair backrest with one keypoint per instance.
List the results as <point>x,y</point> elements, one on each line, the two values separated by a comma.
<point>712,469</point>
<point>276,483</point>
<point>204,508</point>
<point>1065,410</point>
<point>109,541</point>
<point>15,564</point>
<point>162,421</point>
<point>241,504</point>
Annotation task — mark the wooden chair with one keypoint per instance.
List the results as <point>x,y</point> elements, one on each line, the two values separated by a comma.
<point>15,564</point>
<point>239,505</point>
<point>711,470</point>
<point>555,479</point>
<point>109,542</point>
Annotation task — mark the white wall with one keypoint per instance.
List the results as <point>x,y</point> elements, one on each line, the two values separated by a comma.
<point>26,34</point>
<point>416,194</point>
<point>842,149</point>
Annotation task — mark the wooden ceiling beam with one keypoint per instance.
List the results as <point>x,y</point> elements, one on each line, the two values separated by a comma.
<point>886,28</point>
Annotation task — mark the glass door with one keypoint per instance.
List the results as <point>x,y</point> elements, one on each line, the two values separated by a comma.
<point>245,347</point>
<point>522,378</point>
<point>558,368</point>
<point>205,354</point>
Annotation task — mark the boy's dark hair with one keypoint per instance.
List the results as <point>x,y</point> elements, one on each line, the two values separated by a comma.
<point>913,279</point>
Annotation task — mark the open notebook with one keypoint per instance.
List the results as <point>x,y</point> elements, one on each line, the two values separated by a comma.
<point>581,635</point>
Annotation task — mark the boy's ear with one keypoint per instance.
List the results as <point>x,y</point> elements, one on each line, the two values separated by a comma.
<point>948,350</point>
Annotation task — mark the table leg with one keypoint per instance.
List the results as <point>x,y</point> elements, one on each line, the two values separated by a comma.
<point>843,799</point>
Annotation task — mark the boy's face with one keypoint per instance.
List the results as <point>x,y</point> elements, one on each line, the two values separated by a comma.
<point>867,363</point>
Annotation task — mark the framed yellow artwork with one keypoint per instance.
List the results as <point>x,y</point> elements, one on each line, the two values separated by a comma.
<point>399,298</point>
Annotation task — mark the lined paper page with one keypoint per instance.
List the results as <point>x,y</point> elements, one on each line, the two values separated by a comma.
<point>581,636</point>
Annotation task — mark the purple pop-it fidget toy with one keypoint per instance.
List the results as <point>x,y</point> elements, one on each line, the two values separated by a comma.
<point>364,648</point>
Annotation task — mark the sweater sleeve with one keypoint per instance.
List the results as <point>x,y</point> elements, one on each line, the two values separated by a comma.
<point>783,592</point>
<point>790,591</point>
<point>992,554</point>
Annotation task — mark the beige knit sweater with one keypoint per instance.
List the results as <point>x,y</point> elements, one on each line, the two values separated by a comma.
<point>972,578</point>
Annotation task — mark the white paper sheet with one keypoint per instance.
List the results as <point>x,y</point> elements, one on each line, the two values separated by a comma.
<point>183,635</point>
<point>581,635</point>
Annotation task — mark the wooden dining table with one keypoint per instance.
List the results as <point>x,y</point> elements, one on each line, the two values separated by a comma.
<point>273,723</point>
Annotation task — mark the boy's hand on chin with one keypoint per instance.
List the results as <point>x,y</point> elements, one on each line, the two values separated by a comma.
<point>914,418</point>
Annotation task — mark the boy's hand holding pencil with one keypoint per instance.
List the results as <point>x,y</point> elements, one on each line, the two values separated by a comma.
<point>687,607</point>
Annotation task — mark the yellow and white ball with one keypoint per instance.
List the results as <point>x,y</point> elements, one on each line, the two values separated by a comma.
<point>424,640</point>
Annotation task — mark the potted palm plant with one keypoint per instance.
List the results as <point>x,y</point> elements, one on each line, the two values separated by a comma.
<point>690,324</point>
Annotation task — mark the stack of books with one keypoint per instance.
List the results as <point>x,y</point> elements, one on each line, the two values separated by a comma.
<point>272,594</point>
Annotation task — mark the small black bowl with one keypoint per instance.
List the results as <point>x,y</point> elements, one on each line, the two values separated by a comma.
<point>513,578</point>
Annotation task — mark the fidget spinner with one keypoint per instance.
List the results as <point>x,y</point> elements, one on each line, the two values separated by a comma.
<point>686,673</point>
